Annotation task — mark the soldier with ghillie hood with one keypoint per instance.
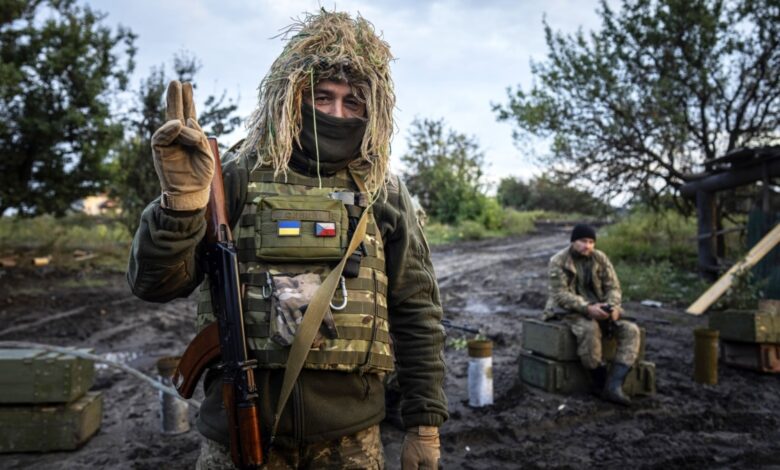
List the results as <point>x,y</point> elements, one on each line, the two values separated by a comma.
<point>316,155</point>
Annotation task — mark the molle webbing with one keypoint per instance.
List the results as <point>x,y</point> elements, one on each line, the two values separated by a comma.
<point>265,175</point>
<point>363,334</point>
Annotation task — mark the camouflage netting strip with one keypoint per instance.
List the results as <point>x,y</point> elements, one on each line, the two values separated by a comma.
<point>331,45</point>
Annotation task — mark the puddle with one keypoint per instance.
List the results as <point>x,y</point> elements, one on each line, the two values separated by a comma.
<point>123,357</point>
<point>479,307</point>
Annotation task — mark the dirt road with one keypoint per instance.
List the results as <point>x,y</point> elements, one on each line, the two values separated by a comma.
<point>490,285</point>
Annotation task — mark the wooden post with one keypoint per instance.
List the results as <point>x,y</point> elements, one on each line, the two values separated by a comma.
<point>705,208</point>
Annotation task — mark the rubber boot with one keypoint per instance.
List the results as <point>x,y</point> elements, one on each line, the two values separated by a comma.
<point>613,390</point>
<point>598,378</point>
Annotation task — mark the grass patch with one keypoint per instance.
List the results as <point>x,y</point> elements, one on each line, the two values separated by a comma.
<point>64,239</point>
<point>659,280</point>
<point>513,223</point>
<point>89,282</point>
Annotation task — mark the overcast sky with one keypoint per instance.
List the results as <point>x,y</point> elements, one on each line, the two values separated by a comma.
<point>453,58</point>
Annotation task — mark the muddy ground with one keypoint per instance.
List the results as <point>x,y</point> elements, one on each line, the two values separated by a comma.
<point>490,285</point>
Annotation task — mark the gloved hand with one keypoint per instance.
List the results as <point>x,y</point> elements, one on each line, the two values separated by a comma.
<point>421,448</point>
<point>182,157</point>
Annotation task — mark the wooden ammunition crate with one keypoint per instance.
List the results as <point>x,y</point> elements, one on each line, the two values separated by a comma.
<point>554,340</point>
<point>44,428</point>
<point>568,377</point>
<point>36,376</point>
<point>747,325</point>
<point>761,357</point>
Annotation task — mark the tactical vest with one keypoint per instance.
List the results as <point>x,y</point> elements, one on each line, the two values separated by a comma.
<point>277,234</point>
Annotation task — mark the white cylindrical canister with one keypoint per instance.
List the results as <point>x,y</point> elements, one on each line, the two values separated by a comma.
<point>174,412</point>
<point>480,377</point>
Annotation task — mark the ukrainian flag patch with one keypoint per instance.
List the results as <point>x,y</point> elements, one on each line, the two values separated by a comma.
<point>289,228</point>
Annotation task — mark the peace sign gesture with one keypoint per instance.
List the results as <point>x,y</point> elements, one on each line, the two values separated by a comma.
<point>182,157</point>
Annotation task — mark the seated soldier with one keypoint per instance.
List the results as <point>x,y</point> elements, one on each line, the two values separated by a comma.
<point>584,290</point>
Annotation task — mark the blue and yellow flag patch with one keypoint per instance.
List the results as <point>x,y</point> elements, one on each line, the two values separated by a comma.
<point>289,228</point>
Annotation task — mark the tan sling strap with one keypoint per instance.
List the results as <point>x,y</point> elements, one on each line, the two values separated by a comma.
<point>315,312</point>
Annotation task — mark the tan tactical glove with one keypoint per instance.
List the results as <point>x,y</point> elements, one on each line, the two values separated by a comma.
<point>420,449</point>
<point>182,157</point>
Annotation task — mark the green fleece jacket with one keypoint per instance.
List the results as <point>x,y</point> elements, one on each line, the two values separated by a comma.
<point>165,264</point>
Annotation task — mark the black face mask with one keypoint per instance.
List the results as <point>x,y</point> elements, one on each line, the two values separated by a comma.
<point>339,142</point>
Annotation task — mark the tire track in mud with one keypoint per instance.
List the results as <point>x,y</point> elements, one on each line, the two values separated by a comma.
<point>64,315</point>
<point>458,261</point>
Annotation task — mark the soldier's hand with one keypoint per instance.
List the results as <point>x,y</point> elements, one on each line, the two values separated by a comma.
<point>420,449</point>
<point>182,156</point>
<point>596,313</point>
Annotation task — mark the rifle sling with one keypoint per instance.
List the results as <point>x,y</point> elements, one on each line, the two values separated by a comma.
<point>315,313</point>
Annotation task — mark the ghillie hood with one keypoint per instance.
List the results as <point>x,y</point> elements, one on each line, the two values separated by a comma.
<point>329,45</point>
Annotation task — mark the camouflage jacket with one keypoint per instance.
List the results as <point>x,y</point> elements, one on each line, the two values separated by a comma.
<point>164,265</point>
<point>562,289</point>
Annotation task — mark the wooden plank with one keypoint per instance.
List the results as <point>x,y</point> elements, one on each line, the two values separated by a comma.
<point>720,286</point>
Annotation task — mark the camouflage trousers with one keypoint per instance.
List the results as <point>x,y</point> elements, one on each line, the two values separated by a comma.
<point>588,333</point>
<point>362,450</point>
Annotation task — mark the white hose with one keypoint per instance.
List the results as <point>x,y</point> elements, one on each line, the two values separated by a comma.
<point>92,357</point>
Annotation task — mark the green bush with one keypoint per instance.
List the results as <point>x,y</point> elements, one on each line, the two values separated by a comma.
<point>518,223</point>
<point>439,234</point>
<point>472,230</point>
<point>646,236</point>
<point>491,213</point>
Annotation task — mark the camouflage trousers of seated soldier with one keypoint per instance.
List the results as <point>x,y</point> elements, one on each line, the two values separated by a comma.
<point>362,450</point>
<point>588,333</point>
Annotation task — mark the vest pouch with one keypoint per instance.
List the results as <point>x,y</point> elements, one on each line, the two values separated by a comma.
<point>290,299</point>
<point>301,228</point>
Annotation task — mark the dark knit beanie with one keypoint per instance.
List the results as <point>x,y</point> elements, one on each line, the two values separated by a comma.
<point>583,231</point>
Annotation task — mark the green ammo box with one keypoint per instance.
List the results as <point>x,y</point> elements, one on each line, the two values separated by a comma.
<point>44,428</point>
<point>568,377</point>
<point>36,376</point>
<point>551,375</point>
<point>554,340</point>
<point>640,380</point>
<point>762,326</point>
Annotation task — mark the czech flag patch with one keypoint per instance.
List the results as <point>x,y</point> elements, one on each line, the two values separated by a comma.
<point>325,229</point>
<point>289,228</point>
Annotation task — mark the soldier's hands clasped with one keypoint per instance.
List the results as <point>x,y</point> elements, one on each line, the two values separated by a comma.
<point>182,157</point>
<point>595,312</point>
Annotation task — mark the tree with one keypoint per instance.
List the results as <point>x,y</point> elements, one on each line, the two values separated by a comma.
<point>444,170</point>
<point>135,179</point>
<point>546,192</point>
<point>59,68</point>
<point>664,86</point>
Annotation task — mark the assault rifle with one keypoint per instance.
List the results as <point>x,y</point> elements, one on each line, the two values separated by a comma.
<point>609,323</point>
<point>477,331</point>
<point>226,337</point>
